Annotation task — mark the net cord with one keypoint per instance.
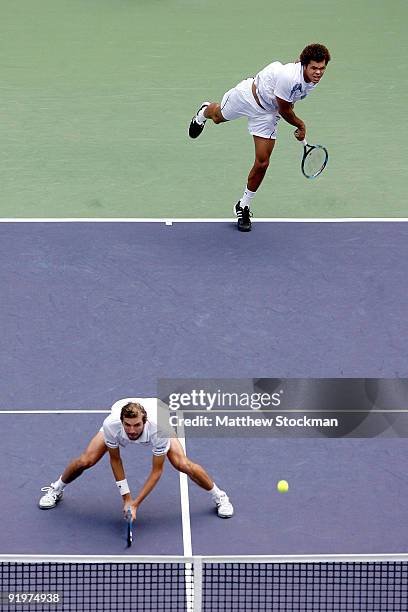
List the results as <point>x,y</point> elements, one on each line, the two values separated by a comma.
<point>287,559</point>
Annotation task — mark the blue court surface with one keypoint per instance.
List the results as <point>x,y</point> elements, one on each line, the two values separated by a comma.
<point>94,312</point>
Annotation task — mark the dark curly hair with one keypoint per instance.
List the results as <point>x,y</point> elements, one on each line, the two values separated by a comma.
<point>132,410</point>
<point>314,52</point>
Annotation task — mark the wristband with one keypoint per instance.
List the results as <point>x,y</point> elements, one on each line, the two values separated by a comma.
<point>123,486</point>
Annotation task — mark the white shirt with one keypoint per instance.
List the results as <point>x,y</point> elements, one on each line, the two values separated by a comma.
<point>284,81</point>
<point>115,435</point>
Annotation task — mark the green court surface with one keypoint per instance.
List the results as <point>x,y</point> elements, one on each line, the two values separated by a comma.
<point>96,97</point>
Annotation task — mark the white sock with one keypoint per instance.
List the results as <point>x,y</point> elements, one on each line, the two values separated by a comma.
<point>200,118</point>
<point>247,197</point>
<point>58,486</point>
<point>215,491</point>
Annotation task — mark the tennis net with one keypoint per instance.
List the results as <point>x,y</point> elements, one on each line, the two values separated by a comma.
<point>245,583</point>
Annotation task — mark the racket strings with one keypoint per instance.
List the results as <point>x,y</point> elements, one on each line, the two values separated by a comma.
<point>315,161</point>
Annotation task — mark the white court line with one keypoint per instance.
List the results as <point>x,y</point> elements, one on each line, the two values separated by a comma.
<point>55,411</point>
<point>186,528</point>
<point>185,502</point>
<point>256,411</point>
<point>215,410</point>
<point>169,220</point>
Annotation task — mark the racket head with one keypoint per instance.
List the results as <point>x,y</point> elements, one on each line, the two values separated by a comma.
<point>129,527</point>
<point>314,161</point>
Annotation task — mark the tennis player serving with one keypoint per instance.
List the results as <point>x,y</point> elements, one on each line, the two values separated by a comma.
<point>134,421</point>
<point>264,99</point>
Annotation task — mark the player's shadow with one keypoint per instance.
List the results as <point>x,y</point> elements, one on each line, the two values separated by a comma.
<point>94,519</point>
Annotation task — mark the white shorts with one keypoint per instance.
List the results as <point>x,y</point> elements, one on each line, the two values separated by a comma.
<point>240,102</point>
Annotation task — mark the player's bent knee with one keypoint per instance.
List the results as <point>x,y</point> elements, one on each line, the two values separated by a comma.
<point>185,466</point>
<point>217,116</point>
<point>262,164</point>
<point>87,461</point>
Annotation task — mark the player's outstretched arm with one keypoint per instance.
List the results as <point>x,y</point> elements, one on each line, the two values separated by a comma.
<point>286,111</point>
<point>119,475</point>
<point>151,482</point>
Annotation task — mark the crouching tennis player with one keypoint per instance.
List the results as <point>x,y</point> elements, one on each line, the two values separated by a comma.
<point>134,421</point>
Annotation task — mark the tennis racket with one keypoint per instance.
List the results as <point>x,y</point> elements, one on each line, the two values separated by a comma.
<point>129,527</point>
<point>314,160</point>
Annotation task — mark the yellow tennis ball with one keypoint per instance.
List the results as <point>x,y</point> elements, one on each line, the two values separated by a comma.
<point>283,486</point>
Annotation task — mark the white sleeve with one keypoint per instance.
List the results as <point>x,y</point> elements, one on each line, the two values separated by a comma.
<point>109,435</point>
<point>160,445</point>
<point>283,87</point>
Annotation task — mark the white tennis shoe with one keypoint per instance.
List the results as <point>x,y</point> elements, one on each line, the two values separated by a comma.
<point>224,507</point>
<point>50,499</point>
<point>196,128</point>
